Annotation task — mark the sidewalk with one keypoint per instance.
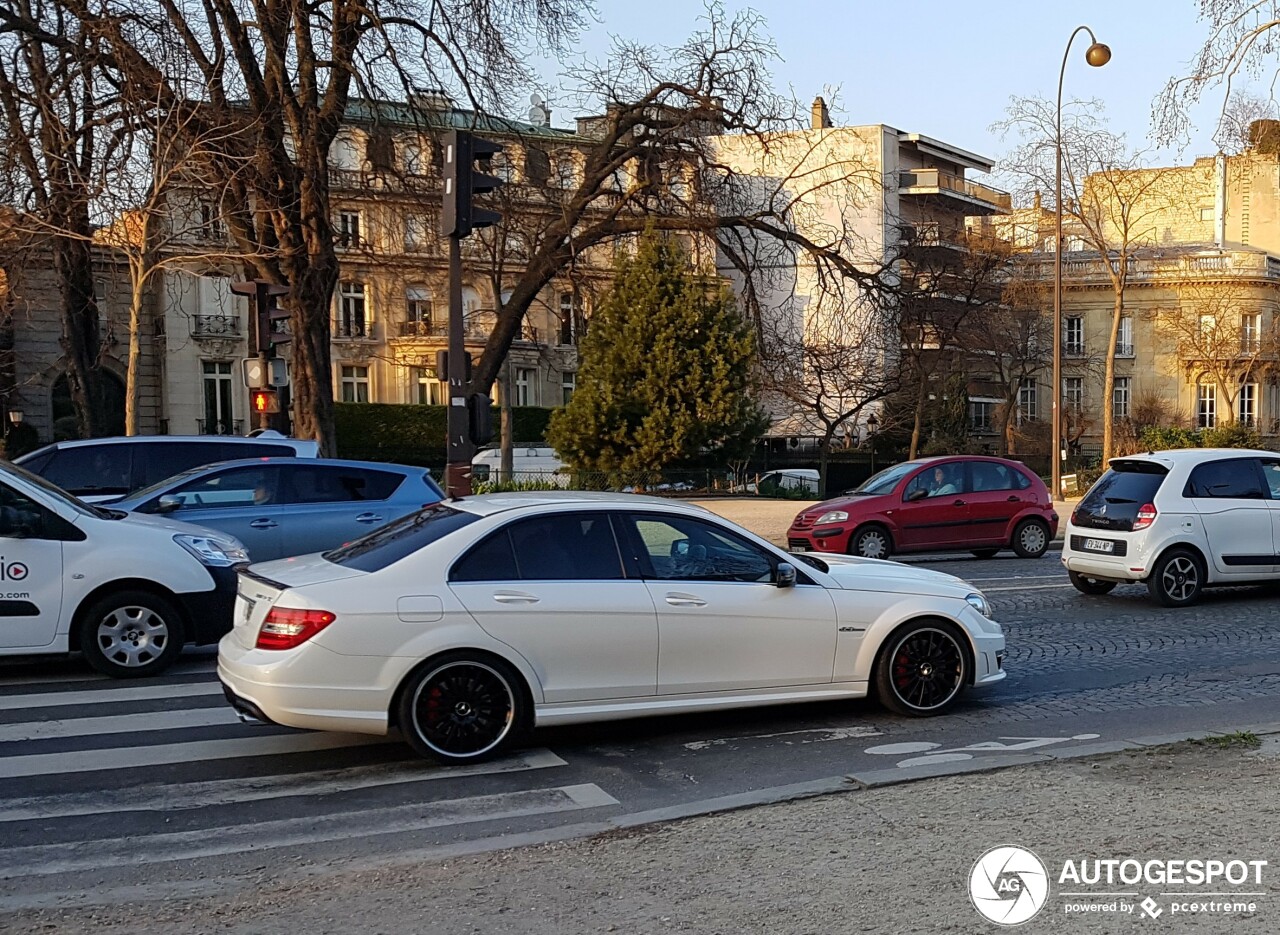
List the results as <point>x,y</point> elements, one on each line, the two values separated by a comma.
<point>880,860</point>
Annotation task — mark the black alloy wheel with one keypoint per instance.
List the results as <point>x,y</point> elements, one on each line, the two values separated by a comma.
<point>923,669</point>
<point>462,709</point>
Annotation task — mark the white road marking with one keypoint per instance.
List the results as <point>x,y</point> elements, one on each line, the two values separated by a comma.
<point>84,761</point>
<point>146,722</point>
<point>814,735</point>
<point>181,796</point>
<point>955,754</point>
<point>1029,587</point>
<point>45,859</point>
<point>1015,578</point>
<point>121,693</point>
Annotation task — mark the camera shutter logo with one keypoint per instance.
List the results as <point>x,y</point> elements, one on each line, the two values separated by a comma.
<point>1008,885</point>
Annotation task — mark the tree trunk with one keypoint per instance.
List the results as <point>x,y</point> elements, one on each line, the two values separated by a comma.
<point>1109,376</point>
<point>921,396</point>
<point>81,340</point>
<point>132,367</point>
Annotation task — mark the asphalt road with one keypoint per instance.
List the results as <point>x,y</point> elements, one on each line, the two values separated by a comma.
<point>113,790</point>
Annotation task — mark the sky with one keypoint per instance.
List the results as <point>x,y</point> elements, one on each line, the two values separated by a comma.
<point>947,69</point>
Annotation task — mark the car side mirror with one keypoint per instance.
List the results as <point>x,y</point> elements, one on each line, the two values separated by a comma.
<point>918,494</point>
<point>785,576</point>
<point>168,503</point>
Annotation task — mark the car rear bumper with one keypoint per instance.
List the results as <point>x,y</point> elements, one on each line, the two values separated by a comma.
<point>304,687</point>
<point>1109,569</point>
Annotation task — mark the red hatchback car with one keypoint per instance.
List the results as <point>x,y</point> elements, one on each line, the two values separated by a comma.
<point>969,502</point>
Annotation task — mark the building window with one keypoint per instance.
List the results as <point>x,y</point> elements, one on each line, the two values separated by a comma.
<point>1206,405</point>
<point>1121,395</point>
<point>1073,337</point>
<point>1027,410</point>
<point>1206,214</point>
<point>1208,325</point>
<point>526,387</point>
<point>355,384</point>
<point>348,234</point>
<point>980,415</point>
<point>566,171</point>
<point>1250,332</point>
<point>1073,395</point>
<point>418,310</point>
<point>211,228</point>
<point>218,419</point>
<point>414,159</point>
<point>1247,406</point>
<point>428,390</point>
<point>1124,338</point>
<point>568,383</point>
<point>415,233</point>
<point>568,319</point>
<point>351,310</point>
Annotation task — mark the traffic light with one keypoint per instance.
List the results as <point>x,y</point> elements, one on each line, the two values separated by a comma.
<point>270,319</point>
<point>461,181</point>
<point>264,400</point>
<point>480,419</point>
<point>442,365</point>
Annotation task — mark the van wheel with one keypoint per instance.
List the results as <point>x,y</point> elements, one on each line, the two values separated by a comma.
<point>1086,585</point>
<point>1030,539</point>
<point>131,634</point>
<point>1177,578</point>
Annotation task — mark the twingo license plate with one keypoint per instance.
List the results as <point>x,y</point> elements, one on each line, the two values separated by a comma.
<point>1099,545</point>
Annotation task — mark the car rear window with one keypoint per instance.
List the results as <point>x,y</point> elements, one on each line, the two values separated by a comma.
<point>1113,502</point>
<point>396,540</point>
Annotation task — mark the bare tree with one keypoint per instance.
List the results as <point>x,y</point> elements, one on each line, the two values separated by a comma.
<point>1240,113</point>
<point>1110,198</point>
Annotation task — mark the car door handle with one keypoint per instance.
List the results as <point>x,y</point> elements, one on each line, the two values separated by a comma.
<point>264,524</point>
<point>685,600</point>
<point>1014,499</point>
<point>958,503</point>
<point>514,597</point>
<point>368,518</point>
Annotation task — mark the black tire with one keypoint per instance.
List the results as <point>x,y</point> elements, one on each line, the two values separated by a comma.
<point>984,553</point>
<point>923,668</point>
<point>483,708</point>
<point>871,542</point>
<point>1030,538</point>
<point>1177,578</point>
<point>1086,585</point>
<point>131,634</point>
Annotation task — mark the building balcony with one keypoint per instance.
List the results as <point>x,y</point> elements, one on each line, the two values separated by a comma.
<point>955,192</point>
<point>1124,350</point>
<point>1171,265</point>
<point>1071,349</point>
<point>355,331</point>
<point>216,427</point>
<point>437,332</point>
<point>215,326</point>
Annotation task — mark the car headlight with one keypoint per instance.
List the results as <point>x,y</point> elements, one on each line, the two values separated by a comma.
<point>979,603</point>
<point>831,516</point>
<point>214,552</point>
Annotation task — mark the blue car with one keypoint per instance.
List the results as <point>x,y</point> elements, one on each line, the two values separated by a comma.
<point>280,507</point>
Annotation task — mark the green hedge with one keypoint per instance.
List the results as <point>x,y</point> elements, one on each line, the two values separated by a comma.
<point>409,434</point>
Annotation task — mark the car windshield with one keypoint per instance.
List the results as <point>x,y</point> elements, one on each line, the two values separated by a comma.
<point>886,480</point>
<point>61,495</point>
<point>405,536</point>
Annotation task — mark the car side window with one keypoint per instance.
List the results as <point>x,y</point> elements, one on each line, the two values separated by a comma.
<point>239,487</point>
<point>234,451</point>
<point>492,559</point>
<point>1230,478</point>
<point>1271,474</point>
<point>557,547</point>
<point>987,475</point>
<point>93,469</point>
<point>329,484</point>
<point>23,518</point>
<point>686,549</point>
<point>161,460</point>
<point>943,480</point>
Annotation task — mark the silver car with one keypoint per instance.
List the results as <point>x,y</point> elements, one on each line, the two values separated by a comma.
<point>289,506</point>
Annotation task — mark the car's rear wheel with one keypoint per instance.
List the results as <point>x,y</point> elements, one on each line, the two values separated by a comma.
<point>871,542</point>
<point>984,553</point>
<point>1030,538</point>
<point>131,634</point>
<point>1086,585</point>
<point>922,669</point>
<point>1177,578</point>
<point>463,708</point>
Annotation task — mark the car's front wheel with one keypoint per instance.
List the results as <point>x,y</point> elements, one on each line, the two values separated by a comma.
<point>922,669</point>
<point>462,708</point>
<point>1086,585</point>
<point>871,542</point>
<point>131,634</point>
<point>1177,578</point>
<point>1030,538</point>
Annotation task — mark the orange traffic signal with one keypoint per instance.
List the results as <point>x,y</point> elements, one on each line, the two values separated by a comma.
<point>265,400</point>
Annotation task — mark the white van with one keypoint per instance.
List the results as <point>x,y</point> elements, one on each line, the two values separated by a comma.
<point>126,589</point>
<point>528,463</point>
<point>800,480</point>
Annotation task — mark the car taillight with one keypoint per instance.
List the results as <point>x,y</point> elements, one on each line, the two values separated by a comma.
<point>287,627</point>
<point>1146,516</point>
<point>1075,517</point>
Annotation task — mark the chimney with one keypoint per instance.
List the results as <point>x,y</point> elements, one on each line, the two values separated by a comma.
<point>1037,202</point>
<point>821,118</point>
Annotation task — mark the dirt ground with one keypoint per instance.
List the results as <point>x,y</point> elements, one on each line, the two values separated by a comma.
<point>889,860</point>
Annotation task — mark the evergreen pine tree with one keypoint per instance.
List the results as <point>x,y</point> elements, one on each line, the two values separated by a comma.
<point>665,372</point>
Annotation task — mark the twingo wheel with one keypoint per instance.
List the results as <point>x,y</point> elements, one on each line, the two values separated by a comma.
<point>131,634</point>
<point>1086,585</point>
<point>871,542</point>
<point>463,708</point>
<point>922,668</point>
<point>1030,538</point>
<point>1177,578</point>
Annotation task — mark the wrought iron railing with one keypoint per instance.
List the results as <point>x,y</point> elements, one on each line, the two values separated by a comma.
<point>218,427</point>
<point>215,326</point>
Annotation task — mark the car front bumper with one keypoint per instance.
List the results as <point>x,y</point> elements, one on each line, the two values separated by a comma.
<point>210,613</point>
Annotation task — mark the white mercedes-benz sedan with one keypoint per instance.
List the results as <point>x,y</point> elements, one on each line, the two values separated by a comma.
<point>472,622</point>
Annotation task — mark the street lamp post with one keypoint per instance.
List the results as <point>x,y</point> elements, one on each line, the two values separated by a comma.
<point>1096,55</point>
